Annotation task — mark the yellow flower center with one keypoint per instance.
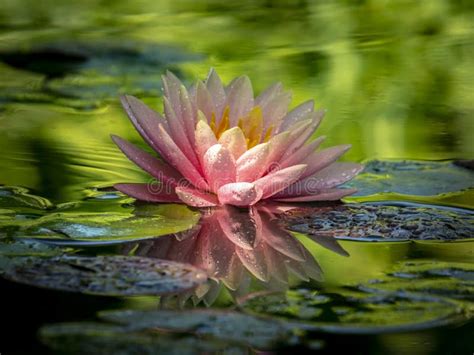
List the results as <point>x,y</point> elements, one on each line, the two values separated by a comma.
<point>251,125</point>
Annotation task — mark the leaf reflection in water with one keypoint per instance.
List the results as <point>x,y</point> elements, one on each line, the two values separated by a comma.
<point>238,247</point>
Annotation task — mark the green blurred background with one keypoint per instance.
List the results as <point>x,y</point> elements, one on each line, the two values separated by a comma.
<point>397,77</point>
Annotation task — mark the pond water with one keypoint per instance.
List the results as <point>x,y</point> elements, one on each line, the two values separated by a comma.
<point>86,269</point>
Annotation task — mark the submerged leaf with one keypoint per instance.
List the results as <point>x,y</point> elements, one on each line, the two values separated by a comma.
<point>107,275</point>
<point>98,338</point>
<point>223,325</point>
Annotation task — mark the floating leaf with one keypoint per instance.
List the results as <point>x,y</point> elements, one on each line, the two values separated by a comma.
<point>412,178</point>
<point>453,280</point>
<point>413,295</point>
<point>379,221</point>
<point>98,338</point>
<point>219,324</point>
<point>19,199</point>
<point>107,275</point>
<point>70,228</point>
<point>355,311</point>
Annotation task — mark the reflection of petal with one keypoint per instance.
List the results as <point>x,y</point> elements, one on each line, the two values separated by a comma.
<point>238,226</point>
<point>281,240</point>
<point>276,265</point>
<point>233,278</point>
<point>328,242</point>
<point>254,261</point>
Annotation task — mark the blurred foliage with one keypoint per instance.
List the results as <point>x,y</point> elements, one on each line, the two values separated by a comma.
<point>396,76</point>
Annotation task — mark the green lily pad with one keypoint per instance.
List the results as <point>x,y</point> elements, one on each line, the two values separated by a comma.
<point>19,199</point>
<point>383,222</point>
<point>412,178</point>
<point>98,338</point>
<point>219,324</point>
<point>106,275</point>
<point>83,228</point>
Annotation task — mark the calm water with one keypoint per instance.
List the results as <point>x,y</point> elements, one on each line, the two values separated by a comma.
<point>397,78</point>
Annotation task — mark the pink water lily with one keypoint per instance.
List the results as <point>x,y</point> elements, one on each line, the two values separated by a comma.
<point>220,145</point>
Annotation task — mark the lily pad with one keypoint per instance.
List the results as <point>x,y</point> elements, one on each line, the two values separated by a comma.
<point>413,295</point>
<point>383,222</point>
<point>98,338</point>
<point>356,312</point>
<point>219,324</point>
<point>107,275</point>
<point>412,178</point>
<point>82,228</point>
<point>453,280</point>
<point>19,199</point>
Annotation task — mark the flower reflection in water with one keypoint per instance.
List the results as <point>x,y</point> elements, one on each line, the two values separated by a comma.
<point>239,248</point>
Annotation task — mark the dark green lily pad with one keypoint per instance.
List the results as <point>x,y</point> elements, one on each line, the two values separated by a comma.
<point>107,275</point>
<point>383,222</point>
<point>412,178</point>
<point>453,280</point>
<point>414,295</point>
<point>19,199</point>
<point>356,312</point>
<point>98,338</point>
<point>219,324</point>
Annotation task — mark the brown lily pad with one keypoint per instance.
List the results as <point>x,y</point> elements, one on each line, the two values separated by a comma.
<point>107,275</point>
<point>383,222</point>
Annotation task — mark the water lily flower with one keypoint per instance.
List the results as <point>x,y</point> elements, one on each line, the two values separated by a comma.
<point>219,145</point>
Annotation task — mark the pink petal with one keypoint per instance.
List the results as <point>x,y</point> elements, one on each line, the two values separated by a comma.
<point>268,94</point>
<point>323,158</point>
<point>216,90</point>
<point>280,179</point>
<point>253,163</point>
<point>239,99</point>
<point>144,119</point>
<point>278,145</point>
<point>274,104</point>
<point>234,140</point>
<point>219,167</point>
<point>171,86</point>
<point>334,175</point>
<point>300,139</point>
<point>146,192</point>
<point>298,113</point>
<point>204,101</point>
<point>154,166</point>
<point>239,194</point>
<point>196,198</point>
<point>302,153</point>
<point>322,195</point>
<point>178,132</point>
<point>171,152</point>
<point>205,137</point>
<point>238,226</point>
<point>188,113</point>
